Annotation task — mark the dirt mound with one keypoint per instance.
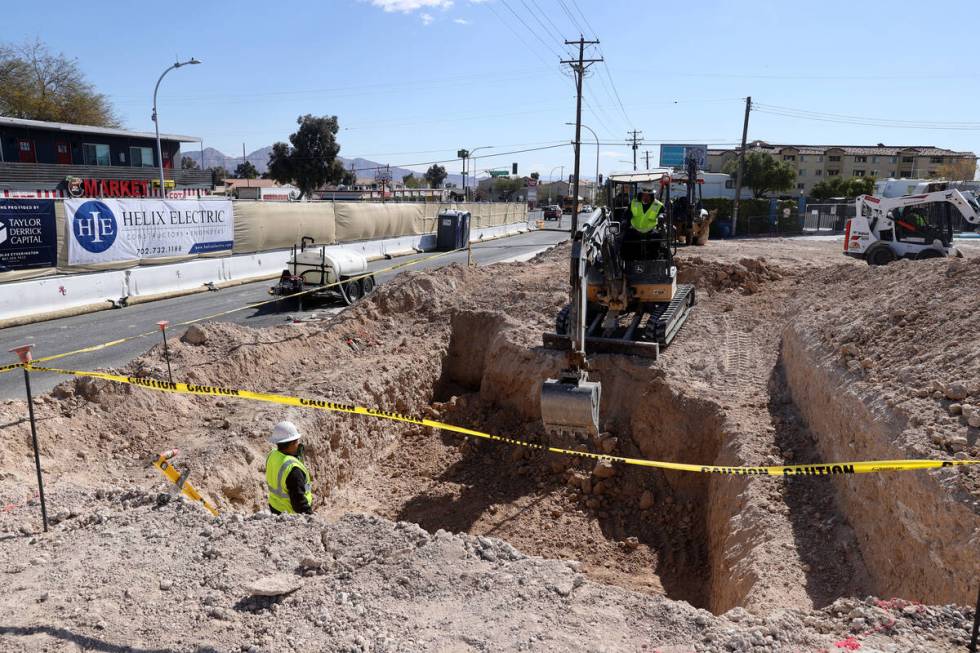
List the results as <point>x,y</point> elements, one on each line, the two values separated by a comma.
<point>908,332</point>
<point>367,584</point>
<point>747,275</point>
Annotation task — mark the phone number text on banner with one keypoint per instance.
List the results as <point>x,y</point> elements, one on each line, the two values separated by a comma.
<point>106,231</point>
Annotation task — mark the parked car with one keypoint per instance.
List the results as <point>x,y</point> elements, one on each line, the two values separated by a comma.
<point>552,212</point>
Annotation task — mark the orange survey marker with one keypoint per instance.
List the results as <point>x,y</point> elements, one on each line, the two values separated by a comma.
<point>180,479</point>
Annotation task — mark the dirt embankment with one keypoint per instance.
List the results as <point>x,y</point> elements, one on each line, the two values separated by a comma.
<point>464,346</point>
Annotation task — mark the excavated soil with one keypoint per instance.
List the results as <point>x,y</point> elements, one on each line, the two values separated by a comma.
<point>763,372</point>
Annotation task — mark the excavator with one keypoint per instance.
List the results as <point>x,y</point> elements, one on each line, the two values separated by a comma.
<point>625,300</point>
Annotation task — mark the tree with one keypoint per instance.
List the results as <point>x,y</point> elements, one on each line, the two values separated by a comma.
<point>958,170</point>
<point>411,181</point>
<point>246,170</point>
<point>535,176</point>
<point>435,175</point>
<point>763,174</point>
<point>218,175</point>
<point>841,187</point>
<point>349,178</point>
<point>505,188</point>
<point>37,84</point>
<point>310,160</point>
<point>188,163</point>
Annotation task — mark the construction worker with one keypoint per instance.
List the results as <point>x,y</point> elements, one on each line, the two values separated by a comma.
<point>645,210</point>
<point>286,476</point>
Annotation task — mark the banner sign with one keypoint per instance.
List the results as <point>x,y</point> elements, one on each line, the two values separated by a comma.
<point>28,234</point>
<point>675,156</point>
<point>104,230</point>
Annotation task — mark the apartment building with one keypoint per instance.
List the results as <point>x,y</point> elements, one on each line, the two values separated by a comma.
<point>814,163</point>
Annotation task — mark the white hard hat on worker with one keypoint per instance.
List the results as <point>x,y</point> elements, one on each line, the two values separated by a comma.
<point>284,432</point>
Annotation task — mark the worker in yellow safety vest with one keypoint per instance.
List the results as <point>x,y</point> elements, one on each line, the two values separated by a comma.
<point>645,211</point>
<point>286,476</point>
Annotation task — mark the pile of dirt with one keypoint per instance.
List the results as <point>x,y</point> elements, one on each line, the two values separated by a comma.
<point>907,333</point>
<point>192,583</point>
<point>747,275</point>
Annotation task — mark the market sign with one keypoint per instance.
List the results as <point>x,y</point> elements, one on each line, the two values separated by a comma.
<point>107,230</point>
<point>28,234</point>
<point>78,187</point>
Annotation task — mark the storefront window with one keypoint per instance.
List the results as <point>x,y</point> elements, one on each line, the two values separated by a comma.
<point>96,154</point>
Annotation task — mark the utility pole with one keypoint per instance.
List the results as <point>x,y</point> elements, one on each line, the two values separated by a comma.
<point>636,137</point>
<point>248,181</point>
<point>741,164</point>
<point>579,67</point>
<point>646,153</point>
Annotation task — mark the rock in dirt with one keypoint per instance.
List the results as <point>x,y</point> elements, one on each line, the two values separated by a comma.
<point>604,469</point>
<point>957,391</point>
<point>646,500</point>
<point>194,335</point>
<point>274,585</point>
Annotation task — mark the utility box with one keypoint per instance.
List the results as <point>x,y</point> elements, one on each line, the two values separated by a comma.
<point>453,230</point>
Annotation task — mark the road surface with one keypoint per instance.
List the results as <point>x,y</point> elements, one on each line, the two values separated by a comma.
<point>66,334</point>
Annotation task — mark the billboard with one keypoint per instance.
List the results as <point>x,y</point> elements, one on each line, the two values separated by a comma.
<point>675,156</point>
<point>107,230</point>
<point>28,234</point>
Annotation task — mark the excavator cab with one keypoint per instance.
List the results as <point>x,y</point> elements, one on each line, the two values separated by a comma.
<point>625,299</point>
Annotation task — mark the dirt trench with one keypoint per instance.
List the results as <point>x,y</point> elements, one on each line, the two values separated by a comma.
<point>717,542</point>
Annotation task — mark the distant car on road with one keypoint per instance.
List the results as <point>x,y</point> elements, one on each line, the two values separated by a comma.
<point>552,212</point>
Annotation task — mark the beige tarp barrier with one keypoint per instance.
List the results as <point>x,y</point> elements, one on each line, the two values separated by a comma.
<point>365,221</point>
<point>263,226</point>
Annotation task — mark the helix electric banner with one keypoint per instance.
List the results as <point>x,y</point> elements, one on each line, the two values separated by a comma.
<point>106,230</point>
<point>28,234</point>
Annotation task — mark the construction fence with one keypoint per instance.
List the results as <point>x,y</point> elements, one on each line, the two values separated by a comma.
<point>267,226</point>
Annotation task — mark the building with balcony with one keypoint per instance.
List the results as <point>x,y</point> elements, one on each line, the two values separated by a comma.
<point>55,159</point>
<point>815,163</point>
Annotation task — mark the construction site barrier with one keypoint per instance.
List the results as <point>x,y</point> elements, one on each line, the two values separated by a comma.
<point>821,469</point>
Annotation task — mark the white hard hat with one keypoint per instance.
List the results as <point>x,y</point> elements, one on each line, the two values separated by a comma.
<point>284,432</point>
<point>646,188</point>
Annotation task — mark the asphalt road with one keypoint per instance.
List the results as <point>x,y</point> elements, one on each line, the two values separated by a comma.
<point>66,334</point>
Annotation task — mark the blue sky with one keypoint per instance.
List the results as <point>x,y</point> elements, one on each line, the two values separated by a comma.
<point>414,80</point>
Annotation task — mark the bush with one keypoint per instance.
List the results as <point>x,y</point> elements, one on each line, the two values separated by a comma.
<point>754,217</point>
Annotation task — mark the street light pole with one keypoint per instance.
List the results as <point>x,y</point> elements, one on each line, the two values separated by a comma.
<point>595,184</point>
<point>156,123</point>
<point>469,155</point>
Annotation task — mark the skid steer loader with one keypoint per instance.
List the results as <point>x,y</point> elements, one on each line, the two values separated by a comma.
<point>911,226</point>
<point>624,300</point>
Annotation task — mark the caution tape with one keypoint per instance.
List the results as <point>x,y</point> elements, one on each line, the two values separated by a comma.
<point>822,469</point>
<point>180,480</point>
<point>113,343</point>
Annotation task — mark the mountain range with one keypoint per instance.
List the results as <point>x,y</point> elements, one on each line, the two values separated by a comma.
<point>260,159</point>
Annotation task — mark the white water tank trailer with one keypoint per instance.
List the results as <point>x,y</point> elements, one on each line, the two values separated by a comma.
<point>320,271</point>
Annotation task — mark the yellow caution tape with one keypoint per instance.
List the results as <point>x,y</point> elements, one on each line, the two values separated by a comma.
<point>823,469</point>
<point>113,343</point>
<point>180,480</point>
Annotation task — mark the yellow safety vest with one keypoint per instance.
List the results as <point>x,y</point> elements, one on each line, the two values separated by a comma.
<point>277,468</point>
<point>645,221</point>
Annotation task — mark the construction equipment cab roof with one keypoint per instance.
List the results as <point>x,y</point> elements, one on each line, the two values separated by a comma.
<point>640,176</point>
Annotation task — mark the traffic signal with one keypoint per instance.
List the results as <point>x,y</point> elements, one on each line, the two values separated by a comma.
<point>513,169</point>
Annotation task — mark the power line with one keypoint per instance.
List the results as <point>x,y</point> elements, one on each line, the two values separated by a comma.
<point>568,13</point>
<point>519,37</point>
<point>541,23</point>
<point>454,159</point>
<point>557,32</point>
<point>806,114</point>
<point>528,27</point>
<point>579,10</point>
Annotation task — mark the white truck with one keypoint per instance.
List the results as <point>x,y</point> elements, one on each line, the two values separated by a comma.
<point>911,226</point>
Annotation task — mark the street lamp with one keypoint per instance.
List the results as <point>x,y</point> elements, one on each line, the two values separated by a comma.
<point>595,183</point>
<point>551,183</point>
<point>469,155</point>
<point>156,123</point>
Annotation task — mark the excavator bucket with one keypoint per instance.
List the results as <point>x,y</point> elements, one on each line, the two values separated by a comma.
<point>570,404</point>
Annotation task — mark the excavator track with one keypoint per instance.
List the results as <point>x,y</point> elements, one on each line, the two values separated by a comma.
<point>667,320</point>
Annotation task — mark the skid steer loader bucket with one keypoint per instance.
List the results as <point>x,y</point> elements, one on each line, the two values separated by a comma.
<point>570,404</point>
